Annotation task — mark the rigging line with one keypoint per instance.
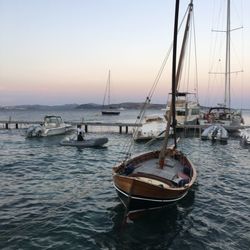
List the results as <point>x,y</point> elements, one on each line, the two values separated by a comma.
<point>242,57</point>
<point>130,144</point>
<point>109,88</point>
<point>189,57</point>
<point>214,41</point>
<point>187,60</point>
<point>196,66</point>
<point>233,48</point>
<point>151,92</point>
<point>105,94</point>
<point>207,101</point>
<point>236,9</point>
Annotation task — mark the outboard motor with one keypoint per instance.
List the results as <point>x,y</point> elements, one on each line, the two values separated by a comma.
<point>219,134</point>
<point>38,131</point>
<point>214,133</point>
<point>34,131</point>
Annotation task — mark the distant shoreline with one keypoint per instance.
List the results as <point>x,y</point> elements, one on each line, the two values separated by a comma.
<point>93,106</point>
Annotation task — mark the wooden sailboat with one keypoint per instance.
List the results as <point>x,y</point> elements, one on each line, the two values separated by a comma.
<point>156,178</point>
<point>109,110</point>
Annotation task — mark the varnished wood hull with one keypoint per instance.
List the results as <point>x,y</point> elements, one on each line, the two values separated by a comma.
<point>140,203</point>
<point>136,193</point>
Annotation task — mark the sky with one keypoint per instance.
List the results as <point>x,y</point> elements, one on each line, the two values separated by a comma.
<point>56,52</point>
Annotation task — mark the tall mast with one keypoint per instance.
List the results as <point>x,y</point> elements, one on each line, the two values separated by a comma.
<point>174,69</point>
<point>175,79</point>
<point>109,88</point>
<point>227,97</point>
<point>184,43</point>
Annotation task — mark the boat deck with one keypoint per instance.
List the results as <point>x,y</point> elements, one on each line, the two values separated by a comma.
<point>170,170</point>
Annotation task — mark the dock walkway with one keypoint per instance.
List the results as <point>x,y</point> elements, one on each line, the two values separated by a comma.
<point>10,124</point>
<point>16,124</point>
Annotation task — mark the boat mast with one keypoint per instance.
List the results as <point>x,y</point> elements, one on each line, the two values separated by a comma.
<point>184,43</point>
<point>107,92</point>
<point>175,81</point>
<point>172,108</point>
<point>109,89</point>
<point>174,70</point>
<point>227,97</point>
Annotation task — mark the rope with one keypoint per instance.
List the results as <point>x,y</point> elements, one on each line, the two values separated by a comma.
<point>196,65</point>
<point>128,147</point>
<point>105,94</point>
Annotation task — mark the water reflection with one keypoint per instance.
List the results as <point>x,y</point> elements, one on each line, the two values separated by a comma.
<point>151,227</point>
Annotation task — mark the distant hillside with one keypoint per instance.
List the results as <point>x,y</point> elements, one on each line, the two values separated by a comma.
<point>40,107</point>
<point>125,105</point>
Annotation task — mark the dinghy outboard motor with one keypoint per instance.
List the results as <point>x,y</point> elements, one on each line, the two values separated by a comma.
<point>34,131</point>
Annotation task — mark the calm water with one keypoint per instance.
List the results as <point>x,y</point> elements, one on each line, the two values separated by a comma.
<point>55,197</point>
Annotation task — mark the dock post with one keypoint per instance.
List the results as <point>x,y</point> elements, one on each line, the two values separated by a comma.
<point>86,128</point>
<point>6,125</point>
<point>120,131</point>
<point>16,125</point>
<point>126,129</point>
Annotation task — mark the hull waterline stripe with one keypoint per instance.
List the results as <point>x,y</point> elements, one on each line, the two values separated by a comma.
<point>146,199</point>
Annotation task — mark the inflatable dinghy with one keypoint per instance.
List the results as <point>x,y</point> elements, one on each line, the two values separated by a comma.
<point>93,142</point>
<point>245,136</point>
<point>215,133</point>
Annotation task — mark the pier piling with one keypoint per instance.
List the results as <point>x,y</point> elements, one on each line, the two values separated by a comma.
<point>86,128</point>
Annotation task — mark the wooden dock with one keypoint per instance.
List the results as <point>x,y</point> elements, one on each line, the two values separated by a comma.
<point>122,126</point>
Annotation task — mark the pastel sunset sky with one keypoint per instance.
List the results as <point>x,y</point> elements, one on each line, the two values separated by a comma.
<point>59,51</point>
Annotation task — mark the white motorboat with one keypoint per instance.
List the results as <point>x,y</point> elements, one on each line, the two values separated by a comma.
<point>53,125</point>
<point>245,136</point>
<point>215,133</point>
<point>153,127</point>
<point>187,108</point>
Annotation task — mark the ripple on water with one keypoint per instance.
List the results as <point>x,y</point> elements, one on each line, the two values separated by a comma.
<point>58,197</point>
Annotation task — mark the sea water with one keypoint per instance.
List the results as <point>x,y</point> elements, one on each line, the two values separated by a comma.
<point>55,197</point>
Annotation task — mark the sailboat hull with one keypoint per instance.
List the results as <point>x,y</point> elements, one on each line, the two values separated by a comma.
<point>110,112</point>
<point>133,202</point>
<point>147,186</point>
